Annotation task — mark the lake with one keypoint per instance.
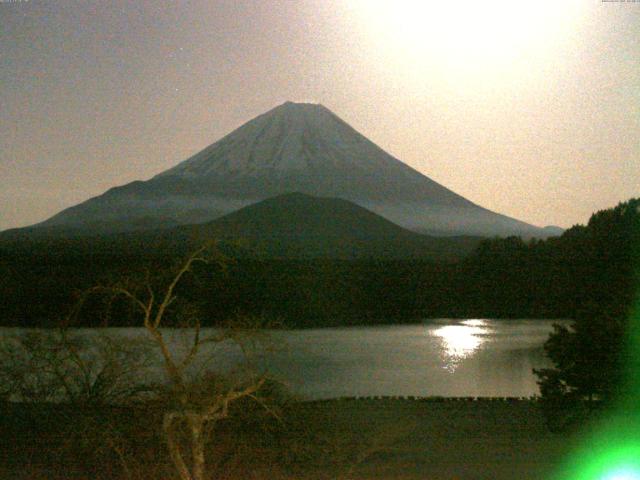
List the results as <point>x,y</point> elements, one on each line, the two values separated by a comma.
<point>472,357</point>
<point>447,357</point>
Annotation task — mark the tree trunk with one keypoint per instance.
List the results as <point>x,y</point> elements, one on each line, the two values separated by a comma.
<point>174,448</point>
<point>197,447</point>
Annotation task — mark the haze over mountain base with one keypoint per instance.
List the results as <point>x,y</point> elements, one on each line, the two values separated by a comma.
<point>295,147</point>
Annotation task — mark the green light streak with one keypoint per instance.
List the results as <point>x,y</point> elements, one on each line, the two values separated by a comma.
<point>623,474</point>
<point>611,450</point>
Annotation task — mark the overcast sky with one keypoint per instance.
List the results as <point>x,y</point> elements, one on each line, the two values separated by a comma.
<point>531,109</point>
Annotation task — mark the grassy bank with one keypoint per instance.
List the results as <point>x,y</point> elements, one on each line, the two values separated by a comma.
<point>337,439</point>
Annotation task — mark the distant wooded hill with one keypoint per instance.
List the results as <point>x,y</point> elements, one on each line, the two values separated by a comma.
<point>302,226</point>
<point>289,226</point>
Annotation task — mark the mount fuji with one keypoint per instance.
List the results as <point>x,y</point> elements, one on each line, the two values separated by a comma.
<point>295,147</point>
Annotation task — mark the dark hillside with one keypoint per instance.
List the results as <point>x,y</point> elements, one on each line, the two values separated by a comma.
<point>302,226</point>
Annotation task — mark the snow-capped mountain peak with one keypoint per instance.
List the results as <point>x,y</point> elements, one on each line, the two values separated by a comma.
<point>295,147</point>
<point>293,137</point>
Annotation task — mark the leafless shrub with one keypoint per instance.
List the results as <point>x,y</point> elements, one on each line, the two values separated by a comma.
<point>73,367</point>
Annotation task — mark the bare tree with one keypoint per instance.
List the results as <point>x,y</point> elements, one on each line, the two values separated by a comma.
<point>63,366</point>
<point>193,404</point>
<point>88,375</point>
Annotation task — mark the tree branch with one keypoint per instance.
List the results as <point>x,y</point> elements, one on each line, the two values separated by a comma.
<point>168,296</point>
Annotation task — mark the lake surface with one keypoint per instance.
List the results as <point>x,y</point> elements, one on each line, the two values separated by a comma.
<point>473,357</point>
<point>448,357</point>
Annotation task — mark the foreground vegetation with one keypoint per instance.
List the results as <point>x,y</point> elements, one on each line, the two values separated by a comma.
<point>340,439</point>
<point>597,359</point>
<point>89,418</point>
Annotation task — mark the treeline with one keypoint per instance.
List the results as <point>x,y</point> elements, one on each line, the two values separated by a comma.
<point>592,268</point>
<point>587,267</point>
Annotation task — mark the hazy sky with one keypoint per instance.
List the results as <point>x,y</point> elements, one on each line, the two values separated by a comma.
<point>528,108</point>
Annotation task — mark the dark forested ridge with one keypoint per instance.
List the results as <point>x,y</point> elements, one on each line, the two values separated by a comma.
<point>588,267</point>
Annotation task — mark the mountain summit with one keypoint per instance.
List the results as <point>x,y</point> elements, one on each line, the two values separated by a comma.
<point>305,147</point>
<point>295,147</point>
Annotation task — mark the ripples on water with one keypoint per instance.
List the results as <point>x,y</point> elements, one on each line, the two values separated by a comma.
<point>460,341</point>
<point>447,357</point>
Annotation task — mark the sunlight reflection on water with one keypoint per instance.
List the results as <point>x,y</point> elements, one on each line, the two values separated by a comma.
<point>460,341</point>
<point>440,357</point>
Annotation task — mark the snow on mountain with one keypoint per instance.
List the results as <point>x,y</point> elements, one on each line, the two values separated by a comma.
<point>294,138</point>
<point>295,147</point>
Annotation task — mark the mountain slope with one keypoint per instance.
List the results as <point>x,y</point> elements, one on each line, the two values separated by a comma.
<point>292,226</point>
<point>302,226</point>
<point>292,148</point>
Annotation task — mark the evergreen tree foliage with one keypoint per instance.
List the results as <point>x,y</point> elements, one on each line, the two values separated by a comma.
<point>590,358</point>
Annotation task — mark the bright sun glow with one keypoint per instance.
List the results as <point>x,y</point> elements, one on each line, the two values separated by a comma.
<point>460,341</point>
<point>469,33</point>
